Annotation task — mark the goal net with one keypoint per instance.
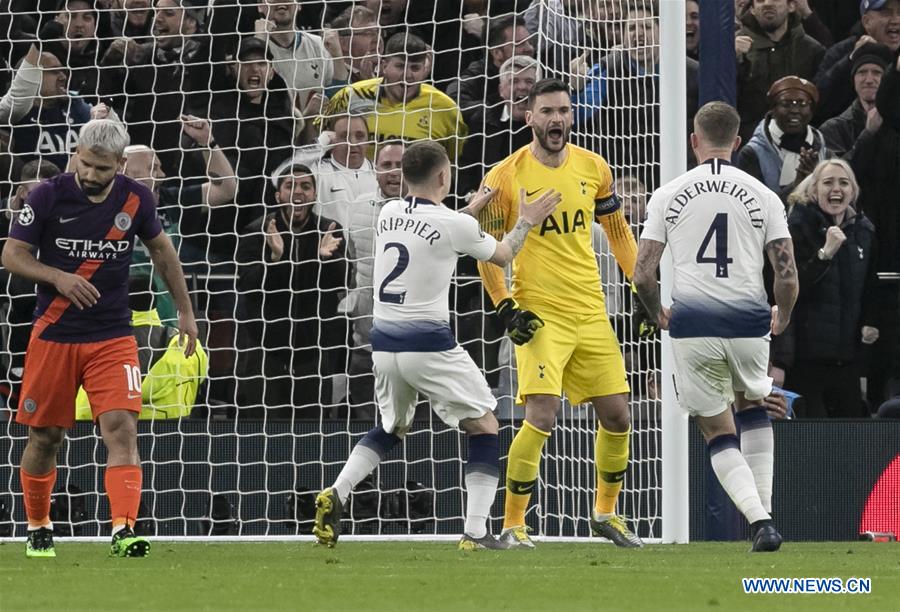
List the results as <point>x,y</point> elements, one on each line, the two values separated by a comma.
<point>228,100</point>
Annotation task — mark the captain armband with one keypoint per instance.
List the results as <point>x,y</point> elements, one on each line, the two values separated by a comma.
<point>607,206</point>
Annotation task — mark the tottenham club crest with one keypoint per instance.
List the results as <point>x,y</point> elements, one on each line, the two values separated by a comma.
<point>123,221</point>
<point>26,215</point>
<point>29,405</point>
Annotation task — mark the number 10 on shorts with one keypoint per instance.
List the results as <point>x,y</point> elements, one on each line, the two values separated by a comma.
<point>133,377</point>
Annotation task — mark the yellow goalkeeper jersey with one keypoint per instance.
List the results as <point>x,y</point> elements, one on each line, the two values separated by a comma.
<point>556,270</point>
<point>431,114</point>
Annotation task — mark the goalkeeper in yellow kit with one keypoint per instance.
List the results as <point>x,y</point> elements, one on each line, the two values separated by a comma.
<point>556,314</point>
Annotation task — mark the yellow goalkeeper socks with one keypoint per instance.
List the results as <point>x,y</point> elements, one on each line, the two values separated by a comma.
<point>611,456</point>
<point>521,472</point>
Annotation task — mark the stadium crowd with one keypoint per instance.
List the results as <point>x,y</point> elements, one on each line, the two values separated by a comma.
<point>271,133</point>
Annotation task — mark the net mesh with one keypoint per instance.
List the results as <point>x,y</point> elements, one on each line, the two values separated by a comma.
<point>228,98</point>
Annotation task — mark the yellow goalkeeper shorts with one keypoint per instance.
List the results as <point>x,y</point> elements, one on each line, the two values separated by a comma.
<point>578,354</point>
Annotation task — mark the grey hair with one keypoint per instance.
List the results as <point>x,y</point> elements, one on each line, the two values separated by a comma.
<point>104,136</point>
<point>518,63</point>
<point>805,192</point>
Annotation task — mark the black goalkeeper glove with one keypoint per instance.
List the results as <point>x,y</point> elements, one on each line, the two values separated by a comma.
<point>647,326</point>
<point>520,324</point>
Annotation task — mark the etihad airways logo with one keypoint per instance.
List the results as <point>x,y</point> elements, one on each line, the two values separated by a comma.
<point>93,249</point>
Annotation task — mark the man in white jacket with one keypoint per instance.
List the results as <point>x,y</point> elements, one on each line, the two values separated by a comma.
<point>362,217</point>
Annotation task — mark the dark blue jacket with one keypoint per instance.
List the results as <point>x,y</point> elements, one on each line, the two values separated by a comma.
<point>50,132</point>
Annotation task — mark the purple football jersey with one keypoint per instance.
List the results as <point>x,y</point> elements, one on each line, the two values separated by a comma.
<point>71,232</point>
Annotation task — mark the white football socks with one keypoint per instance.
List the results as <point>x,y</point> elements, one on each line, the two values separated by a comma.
<point>758,449</point>
<point>360,464</point>
<point>480,491</point>
<point>737,479</point>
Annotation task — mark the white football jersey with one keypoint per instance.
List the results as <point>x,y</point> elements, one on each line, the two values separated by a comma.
<point>306,68</point>
<point>417,244</point>
<point>717,221</point>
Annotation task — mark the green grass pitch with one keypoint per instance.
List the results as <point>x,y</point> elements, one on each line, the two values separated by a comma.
<point>365,576</point>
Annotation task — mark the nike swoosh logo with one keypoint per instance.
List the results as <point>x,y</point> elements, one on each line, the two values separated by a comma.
<point>523,489</point>
<point>531,193</point>
<point>133,396</point>
<point>67,219</point>
<point>333,189</point>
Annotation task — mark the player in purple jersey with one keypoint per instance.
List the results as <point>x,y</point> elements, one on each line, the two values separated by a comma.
<point>83,226</point>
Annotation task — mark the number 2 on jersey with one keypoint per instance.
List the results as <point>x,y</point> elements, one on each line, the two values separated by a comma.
<point>718,231</point>
<point>402,263</point>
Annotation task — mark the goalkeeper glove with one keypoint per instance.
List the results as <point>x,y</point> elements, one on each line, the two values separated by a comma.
<point>520,324</point>
<point>647,326</point>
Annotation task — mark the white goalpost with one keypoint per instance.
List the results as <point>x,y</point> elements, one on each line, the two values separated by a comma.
<point>675,529</point>
<point>246,463</point>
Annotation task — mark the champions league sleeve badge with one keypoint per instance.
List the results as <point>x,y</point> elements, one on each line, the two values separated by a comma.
<point>26,215</point>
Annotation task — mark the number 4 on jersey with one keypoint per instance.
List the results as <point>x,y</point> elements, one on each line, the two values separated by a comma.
<point>718,231</point>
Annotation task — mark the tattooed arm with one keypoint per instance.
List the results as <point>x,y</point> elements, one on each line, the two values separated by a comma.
<point>787,285</point>
<point>649,254</point>
<point>530,214</point>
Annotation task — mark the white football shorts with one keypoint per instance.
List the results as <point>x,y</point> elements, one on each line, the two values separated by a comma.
<point>450,379</point>
<point>709,370</point>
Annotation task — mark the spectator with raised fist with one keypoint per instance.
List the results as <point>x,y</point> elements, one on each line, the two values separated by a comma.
<point>881,24</point>
<point>45,118</point>
<point>835,314</point>
<point>779,47</point>
<point>359,43</point>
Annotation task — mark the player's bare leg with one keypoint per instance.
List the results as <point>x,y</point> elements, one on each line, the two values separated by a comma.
<point>524,462</point>
<point>123,481</point>
<point>482,476</point>
<point>38,476</point>
<point>737,479</point>
<point>611,451</point>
